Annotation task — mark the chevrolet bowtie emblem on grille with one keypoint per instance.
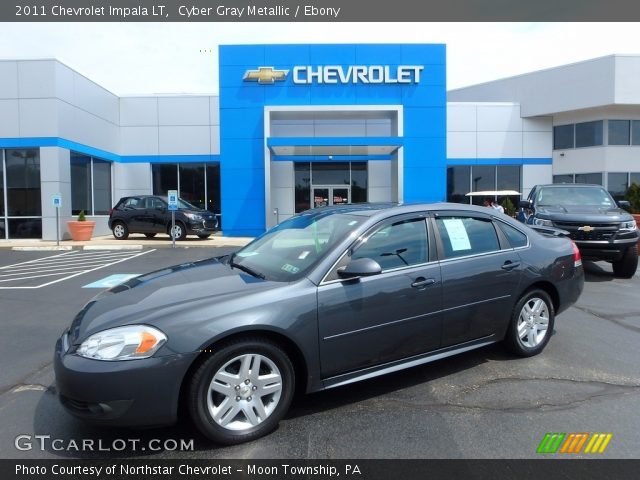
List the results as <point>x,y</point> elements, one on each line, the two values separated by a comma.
<point>265,75</point>
<point>586,228</point>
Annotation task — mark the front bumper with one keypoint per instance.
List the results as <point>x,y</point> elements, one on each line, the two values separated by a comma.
<point>205,227</point>
<point>123,393</point>
<point>605,250</point>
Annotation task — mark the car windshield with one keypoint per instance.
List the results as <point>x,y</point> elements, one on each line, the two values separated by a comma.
<point>288,251</point>
<point>186,205</point>
<point>570,195</point>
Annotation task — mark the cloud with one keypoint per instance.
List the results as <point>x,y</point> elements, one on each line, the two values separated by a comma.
<point>146,58</point>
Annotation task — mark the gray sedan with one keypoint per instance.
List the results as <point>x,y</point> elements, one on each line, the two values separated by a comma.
<point>329,297</point>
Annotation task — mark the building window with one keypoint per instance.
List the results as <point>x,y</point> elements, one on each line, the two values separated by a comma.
<point>563,178</point>
<point>164,177</point>
<point>634,177</point>
<point>589,134</point>
<point>20,207</point>
<point>458,183</point>
<point>483,177</point>
<point>213,187</point>
<point>619,132</point>
<point>464,179</point>
<point>302,172</point>
<point>563,137</point>
<point>617,184</point>
<point>593,178</point>
<point>90,185</point>
<point>635,132</point>
<point>197,183</point>
<point>192,184</point>
<point>359,182</point>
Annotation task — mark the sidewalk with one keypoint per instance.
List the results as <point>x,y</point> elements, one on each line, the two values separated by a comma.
<point>134,242</point>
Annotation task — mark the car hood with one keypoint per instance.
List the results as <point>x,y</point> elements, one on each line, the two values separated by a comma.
<point>159,293</point>
<point>583,213</point>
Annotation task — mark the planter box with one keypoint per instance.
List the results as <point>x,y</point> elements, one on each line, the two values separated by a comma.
<point>81,231</point>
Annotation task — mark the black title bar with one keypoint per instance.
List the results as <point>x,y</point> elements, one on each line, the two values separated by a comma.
<point>316,10</point>
<point>547,469</point>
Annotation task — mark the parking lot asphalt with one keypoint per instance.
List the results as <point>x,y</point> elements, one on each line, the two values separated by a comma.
<point>482,404</point>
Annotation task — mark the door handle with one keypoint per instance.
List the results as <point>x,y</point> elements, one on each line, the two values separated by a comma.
<point>509,265</point>
<point>422,282</point>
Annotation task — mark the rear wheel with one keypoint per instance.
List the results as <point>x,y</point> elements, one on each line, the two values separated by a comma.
<point>149,235</point>
<point>120,230</point>
<point>179,232</point>
<point>531,324</point>
<point>627,266</point>
<point>241,391</point>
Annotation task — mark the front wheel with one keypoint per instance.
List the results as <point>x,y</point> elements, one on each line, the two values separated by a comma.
<point>531,324</point>
<point>241,391</point>
<point>627,266</point>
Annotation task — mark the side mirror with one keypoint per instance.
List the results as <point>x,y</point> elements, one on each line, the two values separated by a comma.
<point>624,204</point>
<point>524,204</point>
<point>160,208</point>
<point>361,267</point>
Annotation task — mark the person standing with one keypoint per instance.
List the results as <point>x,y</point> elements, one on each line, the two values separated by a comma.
<point>496,206</point>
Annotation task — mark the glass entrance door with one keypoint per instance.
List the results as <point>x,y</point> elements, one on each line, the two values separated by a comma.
<point>329,195</point>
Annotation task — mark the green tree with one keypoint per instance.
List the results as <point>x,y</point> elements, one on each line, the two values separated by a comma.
<point>509,207</point>
<point>633,196</point>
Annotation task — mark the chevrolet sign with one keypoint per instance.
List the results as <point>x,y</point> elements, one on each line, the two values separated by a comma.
<point>332,74</point>
<point>586,229</point>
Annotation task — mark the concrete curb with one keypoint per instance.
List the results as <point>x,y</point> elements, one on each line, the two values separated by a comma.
<point>43,249</point>
<point>112,247</point>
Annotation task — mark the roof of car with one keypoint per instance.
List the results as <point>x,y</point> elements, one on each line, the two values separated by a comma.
<point>370,209</point>
<point>579,185</point>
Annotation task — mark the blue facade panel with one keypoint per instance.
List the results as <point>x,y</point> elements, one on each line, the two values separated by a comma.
<point>242,115</point>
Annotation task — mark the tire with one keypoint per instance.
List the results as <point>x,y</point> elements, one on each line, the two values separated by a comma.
<point>627,266</point>
<point>120,231</point>
<point>234,413</point>
<point>521,337</point>
<point>149,235</point>
<point>204,237</point>
<point>180,231</point>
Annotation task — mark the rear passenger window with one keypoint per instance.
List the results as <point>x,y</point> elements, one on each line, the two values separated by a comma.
<point>516,237</point>
<point>463,236</point>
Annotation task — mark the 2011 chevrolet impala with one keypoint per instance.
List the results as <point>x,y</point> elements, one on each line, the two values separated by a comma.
<point>331,296</point>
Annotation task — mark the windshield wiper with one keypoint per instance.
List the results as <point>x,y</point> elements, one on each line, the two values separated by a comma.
<point>246,269</point>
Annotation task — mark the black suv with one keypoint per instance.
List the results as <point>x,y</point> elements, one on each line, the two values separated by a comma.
<point>149,214</point>
<point>601,229</point>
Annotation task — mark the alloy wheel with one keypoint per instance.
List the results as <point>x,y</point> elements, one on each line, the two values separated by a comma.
<point>533,322</point>
<point>244,392</point>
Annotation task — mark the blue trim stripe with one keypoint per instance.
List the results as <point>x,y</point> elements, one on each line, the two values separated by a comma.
<point>34,142</point>
<point>333,141</point>
<point>325,158</point>
<point>498,161</point>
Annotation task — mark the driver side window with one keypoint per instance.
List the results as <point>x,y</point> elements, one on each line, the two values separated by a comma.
<point>396,245</point>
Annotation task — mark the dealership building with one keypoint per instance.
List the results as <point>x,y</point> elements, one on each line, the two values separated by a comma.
<point>300,126</point>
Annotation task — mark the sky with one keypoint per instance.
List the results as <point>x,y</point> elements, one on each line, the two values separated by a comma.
<point>163,58</point>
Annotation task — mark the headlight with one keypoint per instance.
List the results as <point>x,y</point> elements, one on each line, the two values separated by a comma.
<point>123,343</point>
<point>194,216</point>
<point>629,226</point>
<point>542,222</point>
